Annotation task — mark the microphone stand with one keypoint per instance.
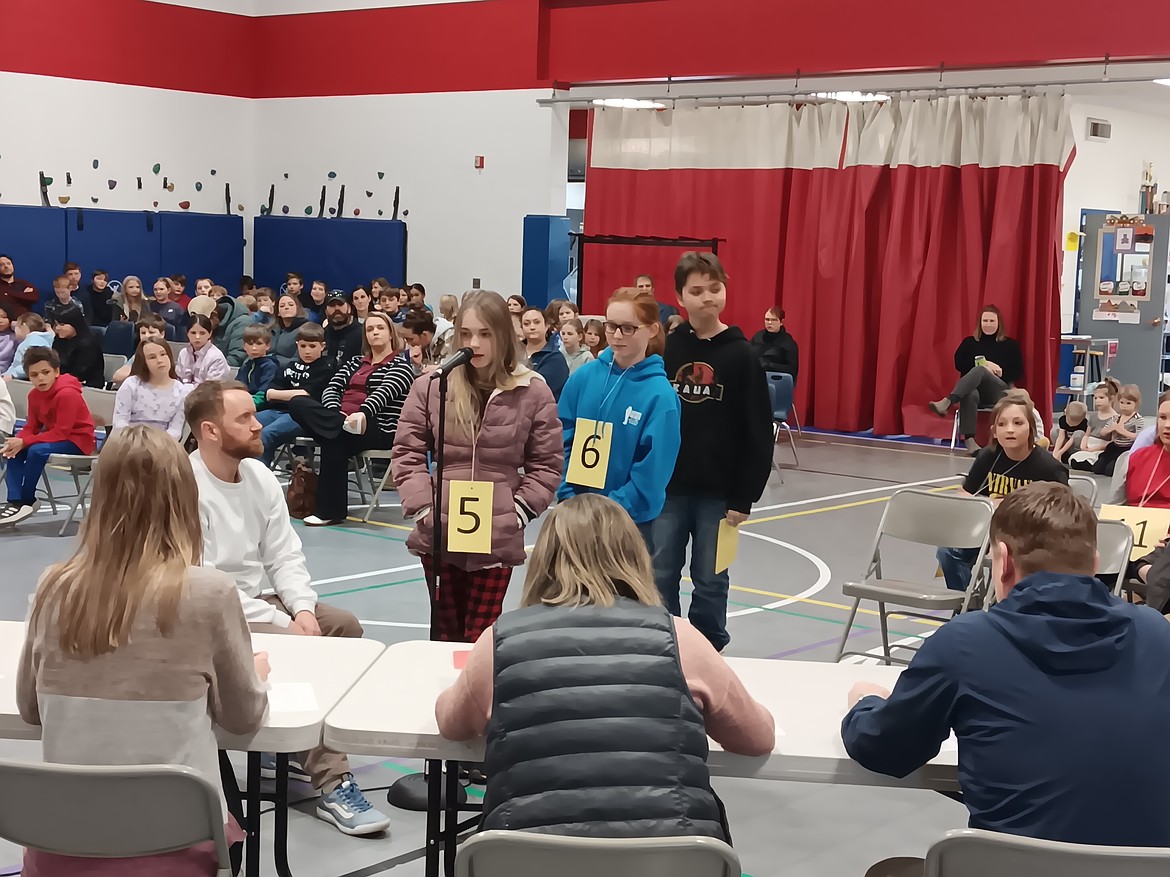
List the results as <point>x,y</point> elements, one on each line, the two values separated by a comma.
<point>421,791</point>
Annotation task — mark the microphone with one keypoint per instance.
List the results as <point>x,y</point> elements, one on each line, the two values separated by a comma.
<point>462,356</point>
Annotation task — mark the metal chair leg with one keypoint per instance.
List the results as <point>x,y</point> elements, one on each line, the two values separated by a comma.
<point>49,490</point>
<point>359,476</point>
<point>885,633</point>
<point>792,441</point>
<point>848,626</point>
<point>796,419</point>
<point>82,493</point>
<point>376,499</point>
<point>955,432</point>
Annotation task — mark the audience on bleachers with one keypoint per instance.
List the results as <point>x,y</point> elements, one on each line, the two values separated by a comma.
<point>360,300</point>
<point>260,368</point>
<point>58,422</point>
<point>989,363</point>
<point>290,316</point>
<point>201,360</point>
<point>30,332</point>
<point>265,313</point>
<point>179,290</point>
<point>358,411</point>
<point>248,535</point>
<point>306,375</point>
<point>17,296</point>
<point>7,340</point>
<point>1009,462</point>
<point>152,395</point>
<point>315,308</point>
<point>544,357</point>
<point>148,327</point>
<point>625,745</point>
<point>1047,693</point>
<point>164,305</point>
<point>725,456</point>
<point>134,650</point>
<point>294,283</point>
<point>572,344</point>
<point>129,303</point>
<point>502,428</point>
<point>229,320</point>
<point>63,302</point>
<point>625,403</point>
<point>343,335</point>
<point>99,294</point>
<point>386,298</point>
<point>774,347</point>
<point>79,348</point>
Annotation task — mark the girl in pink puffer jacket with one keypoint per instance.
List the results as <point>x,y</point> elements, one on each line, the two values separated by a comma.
<point>503,430</point>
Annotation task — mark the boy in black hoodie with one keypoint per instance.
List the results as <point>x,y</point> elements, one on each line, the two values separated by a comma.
<point>306,375</point>
<point>726,453</point>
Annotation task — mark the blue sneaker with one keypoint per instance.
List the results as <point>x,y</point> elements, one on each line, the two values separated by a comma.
<point>347,808</point>
<point>295,770</point>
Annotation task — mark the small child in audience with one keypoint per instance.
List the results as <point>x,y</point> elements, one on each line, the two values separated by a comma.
<point>150,327</point>
<point>388,303</point>
<point>572,334</point>
<point>30,332</point>
<point>1070,429</point>
<point>7,341</point>
<point>307,375</point>
<point>153,394</point>
<point>595,337</point>
<point>202,287</point>
<point>216,293</point>
<point>591,612</point>
<point>448,305</point>
<point>1095,440</point>
<point>201,360</point>
<point>248,301</point>
<point>259,369</point>
<point>294,283</point>
<point>315,309</point>
<point>58,422</point>
<point>1122,429</point>
<point>179,290</point>
<point>265,313</point>
<point>61,301</point>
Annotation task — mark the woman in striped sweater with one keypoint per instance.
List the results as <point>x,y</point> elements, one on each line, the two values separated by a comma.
<point>358,412</point>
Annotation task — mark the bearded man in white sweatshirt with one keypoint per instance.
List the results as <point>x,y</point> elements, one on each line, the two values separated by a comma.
<point>247,534</point>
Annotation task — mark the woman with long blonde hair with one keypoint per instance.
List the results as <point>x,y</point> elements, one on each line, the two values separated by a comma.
<point>593,655</point>
<point>502,430</point>
<point>134,651</point>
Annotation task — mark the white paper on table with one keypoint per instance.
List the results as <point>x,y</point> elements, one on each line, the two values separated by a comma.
<point>949,745</point>
<point>292,697</point>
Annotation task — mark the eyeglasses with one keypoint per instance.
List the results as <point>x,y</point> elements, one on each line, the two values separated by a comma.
<point>623,328</point>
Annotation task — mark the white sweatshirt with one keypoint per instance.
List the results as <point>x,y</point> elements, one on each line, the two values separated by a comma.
<point>247,534</point>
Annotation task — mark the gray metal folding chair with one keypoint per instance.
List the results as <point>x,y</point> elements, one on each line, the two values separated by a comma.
<point>971,852</point>
<point>366,459</point>
<point>939,519</point>
<point>97,812</point>
<point>1114,545</point>
<point>1083,485</point>
<point>80,467</point>
<point>528,854</point>
<point>114,361</point>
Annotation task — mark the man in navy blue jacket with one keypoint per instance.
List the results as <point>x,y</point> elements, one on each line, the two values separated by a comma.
<point>1059,695</point>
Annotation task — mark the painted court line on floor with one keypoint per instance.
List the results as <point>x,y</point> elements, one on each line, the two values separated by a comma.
<point>824,575</point>
<point>893,486</point>
<point>836,508</point>
<point>364,575</point>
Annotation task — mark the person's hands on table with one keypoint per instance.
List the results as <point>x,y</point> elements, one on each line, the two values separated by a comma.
<point>736,518</point>
<point>306,623</point>
<point>263,668</point>
<point>865,689</point>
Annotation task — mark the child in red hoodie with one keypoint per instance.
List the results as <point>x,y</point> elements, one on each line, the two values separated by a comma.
<point>58,422</point>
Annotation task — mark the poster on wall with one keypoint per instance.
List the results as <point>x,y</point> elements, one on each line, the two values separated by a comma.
<point>1124,239</point>
<point>1113,310</point>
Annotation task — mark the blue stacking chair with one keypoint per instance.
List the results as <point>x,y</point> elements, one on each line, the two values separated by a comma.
<point>781,390</point>
<point>120,338</point>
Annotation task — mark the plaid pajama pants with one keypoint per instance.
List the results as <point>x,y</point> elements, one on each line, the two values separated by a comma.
<point>469,601</point>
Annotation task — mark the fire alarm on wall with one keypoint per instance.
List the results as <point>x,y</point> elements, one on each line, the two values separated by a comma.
<point>479,162</point>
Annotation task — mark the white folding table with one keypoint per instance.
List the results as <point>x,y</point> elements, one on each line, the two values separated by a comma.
<point>808,701</point>
<point>309,676</point>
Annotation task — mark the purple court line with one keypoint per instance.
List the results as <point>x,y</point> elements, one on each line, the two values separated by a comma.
<point>860,631</point>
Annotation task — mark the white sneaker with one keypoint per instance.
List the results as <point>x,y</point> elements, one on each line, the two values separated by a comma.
<point>314,521</point>
<point>14,513</point>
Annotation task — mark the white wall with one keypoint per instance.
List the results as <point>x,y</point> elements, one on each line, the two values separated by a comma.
<point>1107,176</point>
<point>463,222</point>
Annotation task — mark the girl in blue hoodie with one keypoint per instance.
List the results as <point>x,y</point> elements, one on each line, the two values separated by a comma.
<point>625,392</point>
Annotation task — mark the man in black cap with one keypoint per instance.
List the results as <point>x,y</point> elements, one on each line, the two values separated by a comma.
<point>343,334</point>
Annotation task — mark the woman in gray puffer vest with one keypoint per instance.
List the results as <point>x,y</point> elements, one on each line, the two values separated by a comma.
<point>596,703</point>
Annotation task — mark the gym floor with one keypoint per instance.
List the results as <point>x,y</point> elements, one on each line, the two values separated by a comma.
<point>812,531</point>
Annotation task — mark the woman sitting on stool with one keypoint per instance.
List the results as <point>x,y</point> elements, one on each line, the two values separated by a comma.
<point>625,744</point>
<point>990,363</point>
<point>358,412</point>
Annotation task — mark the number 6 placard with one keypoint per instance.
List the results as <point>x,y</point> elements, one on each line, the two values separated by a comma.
<point>469,517</point>
<point>589,456</point>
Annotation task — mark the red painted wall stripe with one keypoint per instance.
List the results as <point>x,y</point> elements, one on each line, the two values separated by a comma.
<point>509,44</point>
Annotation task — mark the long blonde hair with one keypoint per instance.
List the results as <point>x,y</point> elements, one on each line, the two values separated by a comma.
<point>140,536</point>
<point>463,412</point>
<point>589,553</point>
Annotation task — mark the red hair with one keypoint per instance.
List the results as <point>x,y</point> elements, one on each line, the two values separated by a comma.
<point>646,307</point>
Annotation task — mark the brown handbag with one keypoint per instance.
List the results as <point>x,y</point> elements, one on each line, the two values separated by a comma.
<point>302,491</point>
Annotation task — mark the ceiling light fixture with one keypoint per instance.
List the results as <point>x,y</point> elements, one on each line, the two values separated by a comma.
<point>852,97</point>
<point>628,103</point>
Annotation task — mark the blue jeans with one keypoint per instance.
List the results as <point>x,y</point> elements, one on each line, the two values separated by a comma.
<point>691,519</point>
<point>279,429</point>
<point>957,564</point>
<point>25,469</point>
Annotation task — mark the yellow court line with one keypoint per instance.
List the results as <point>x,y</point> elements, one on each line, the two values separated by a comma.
<point>941,452</point>
<point>382,524</point>
<point>831,605</point>
<point>835,508</point>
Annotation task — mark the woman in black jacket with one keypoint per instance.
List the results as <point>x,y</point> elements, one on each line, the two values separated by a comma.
<point>989,364</point>
<point>79,349</point>
<point>774,347</point>
<point>358,412</point>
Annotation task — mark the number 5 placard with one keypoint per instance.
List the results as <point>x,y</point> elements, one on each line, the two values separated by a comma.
<point>1149,525</point>
<point>589,456</point>
<point>469,517</point>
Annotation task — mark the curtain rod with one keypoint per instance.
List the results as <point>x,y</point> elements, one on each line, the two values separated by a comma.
<point>803,96</point>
